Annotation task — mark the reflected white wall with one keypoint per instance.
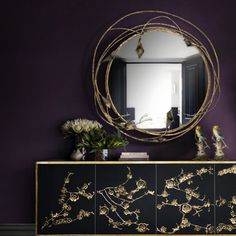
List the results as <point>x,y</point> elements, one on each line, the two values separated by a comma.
<point>153,89</point>
<point>158,47</point>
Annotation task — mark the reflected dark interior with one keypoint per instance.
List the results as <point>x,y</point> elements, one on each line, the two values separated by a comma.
<point>194,87</point>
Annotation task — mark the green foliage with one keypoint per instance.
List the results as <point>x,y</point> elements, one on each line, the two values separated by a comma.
<point>100,139</point>
<point>90,135</point>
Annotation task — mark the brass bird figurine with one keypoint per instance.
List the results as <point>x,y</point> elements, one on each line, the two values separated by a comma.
<point>217,135</point>
<point>199,136</point>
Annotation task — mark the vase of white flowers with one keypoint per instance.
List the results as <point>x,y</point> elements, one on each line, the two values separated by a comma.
<point>92,142</point>
<point>80,129</point>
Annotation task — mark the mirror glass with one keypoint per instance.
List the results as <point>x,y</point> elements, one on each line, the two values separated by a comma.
<point>162,89</point>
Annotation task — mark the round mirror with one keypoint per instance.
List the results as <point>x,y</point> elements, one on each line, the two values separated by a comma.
<point>154,80</point>
<point>161,89</point>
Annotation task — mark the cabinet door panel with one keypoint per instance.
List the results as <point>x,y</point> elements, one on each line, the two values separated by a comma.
<point>185,199</point>
<point>225,198</point>
<point>125,199</point>
<point>66,199</point>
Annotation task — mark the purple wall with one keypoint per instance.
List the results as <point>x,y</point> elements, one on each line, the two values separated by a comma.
<point>47,49</point>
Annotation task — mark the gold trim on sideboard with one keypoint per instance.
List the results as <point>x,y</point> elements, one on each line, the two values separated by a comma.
<point>133,162</point>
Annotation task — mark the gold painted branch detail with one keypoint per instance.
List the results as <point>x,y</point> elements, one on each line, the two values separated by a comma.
<point>120,207</point>
<point>118,204</point>
<point>192,204</point>
<point>66,200</point>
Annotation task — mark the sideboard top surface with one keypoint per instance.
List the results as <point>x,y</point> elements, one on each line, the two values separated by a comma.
<point>134,162</point>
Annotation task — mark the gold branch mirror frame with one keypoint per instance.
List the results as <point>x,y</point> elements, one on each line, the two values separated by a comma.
<point>117,36</point>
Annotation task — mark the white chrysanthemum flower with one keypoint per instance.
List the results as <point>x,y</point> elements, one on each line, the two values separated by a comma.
<point>78,126</point>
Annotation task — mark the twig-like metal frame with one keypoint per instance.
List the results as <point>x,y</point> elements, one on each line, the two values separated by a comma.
<point>116,36</point>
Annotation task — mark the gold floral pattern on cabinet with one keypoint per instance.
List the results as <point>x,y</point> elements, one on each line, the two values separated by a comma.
<point>121,205</point>
<point>66,202</point>
<point>193,202</point>
<point>118,201</point>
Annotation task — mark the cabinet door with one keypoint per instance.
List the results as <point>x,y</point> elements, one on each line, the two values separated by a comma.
<point>225,196</point>
<point>185,199</point>
<point>65,199</point>
<point>125,199</point>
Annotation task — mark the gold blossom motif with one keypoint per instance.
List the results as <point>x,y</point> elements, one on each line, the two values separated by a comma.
<point>142,227</point>
<point>185,223</point>
<point>234,200</point>
<point>74,197</point>
<point>66,201</point>
<point>103,210</point>
<point>186,208</point>
<point>231,170</point>
<point>118,203</point>
<point>221,202</point>
<point>193,204</point>
<point>141,184</point>
<point>226,227</point>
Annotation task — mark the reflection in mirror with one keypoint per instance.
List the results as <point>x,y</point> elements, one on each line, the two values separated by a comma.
<point>164,88</point>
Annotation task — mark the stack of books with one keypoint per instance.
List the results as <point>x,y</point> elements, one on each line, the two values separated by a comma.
<point>134,156</point>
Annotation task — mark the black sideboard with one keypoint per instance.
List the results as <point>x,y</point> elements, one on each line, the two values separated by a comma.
<point>178,198</point>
